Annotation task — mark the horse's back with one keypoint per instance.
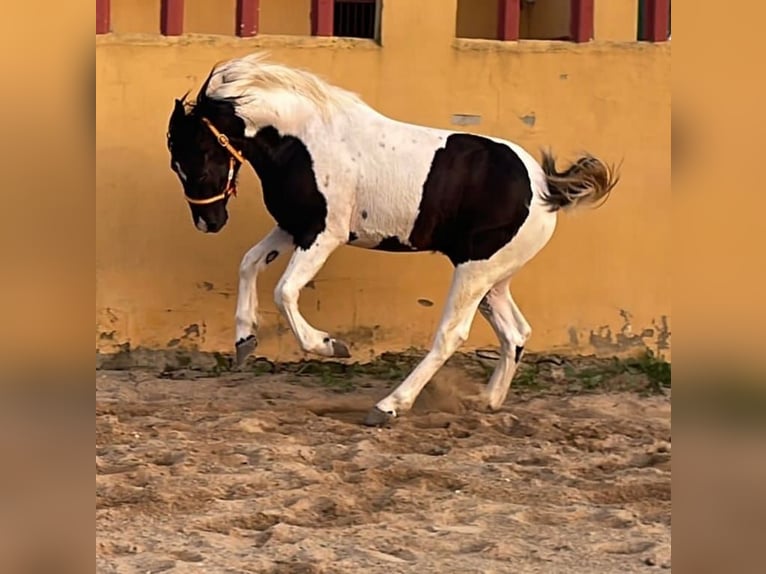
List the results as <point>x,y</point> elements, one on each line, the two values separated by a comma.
<point>426,189</point>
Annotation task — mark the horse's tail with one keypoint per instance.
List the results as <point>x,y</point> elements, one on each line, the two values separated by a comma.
<point>587,181</point>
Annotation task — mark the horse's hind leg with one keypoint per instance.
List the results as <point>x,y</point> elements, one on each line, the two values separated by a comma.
<point>470,282</point>
<point>512,331</point>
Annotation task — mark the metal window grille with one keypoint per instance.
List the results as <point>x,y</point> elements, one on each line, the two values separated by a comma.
<point>355,18</point>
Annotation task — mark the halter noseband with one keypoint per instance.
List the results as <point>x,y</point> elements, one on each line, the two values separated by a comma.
<point>235,155</point>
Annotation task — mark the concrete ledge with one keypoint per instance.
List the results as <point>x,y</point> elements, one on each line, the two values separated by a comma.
<point>546,46</point>
<point>265,41</point>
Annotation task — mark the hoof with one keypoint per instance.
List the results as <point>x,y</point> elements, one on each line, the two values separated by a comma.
<point>377,418</point>
<point>340,350</point>
<point>244,348</point>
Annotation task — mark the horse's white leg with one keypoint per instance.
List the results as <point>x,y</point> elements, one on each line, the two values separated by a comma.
<point>274,244</point>
<point>470,282</point>
<point>303,266</point>
<point>512,331</point>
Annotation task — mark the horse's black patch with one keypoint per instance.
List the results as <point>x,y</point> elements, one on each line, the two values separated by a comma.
<point>290,190</point>
<point>364,214</point>
<point>519,350</point>
<point>475,199</point>
<point>352,236</point>
<point>283,164</point>
<point>393,244</point>
<point>271,256</point>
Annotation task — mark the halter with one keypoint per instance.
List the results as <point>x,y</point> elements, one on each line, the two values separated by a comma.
<point>236,155</point>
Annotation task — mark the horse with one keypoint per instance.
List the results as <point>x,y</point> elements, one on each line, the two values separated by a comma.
<point>334,171</point>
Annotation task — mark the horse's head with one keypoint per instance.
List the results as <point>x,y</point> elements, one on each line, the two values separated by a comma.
<point>205,159</point>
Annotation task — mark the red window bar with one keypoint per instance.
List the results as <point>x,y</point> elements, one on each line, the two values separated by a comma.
<point>322,15</point>
<point>656,20</point>
<point>103,16</point>
<point>508,19</point>
<point>581,20</point>
<point>172,17</point>
<point>248,12</point>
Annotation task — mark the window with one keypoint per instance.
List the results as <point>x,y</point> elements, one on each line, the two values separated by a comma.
<point>355,18</point>
<point>245,18</point>
<point>654,20</point>
<point>562,20</point>
<point>347,18</point>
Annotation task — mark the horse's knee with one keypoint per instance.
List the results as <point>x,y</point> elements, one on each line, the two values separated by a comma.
<point>245,268</point>
<point>485,307</point>
<point>284,296</point>
<point>447,343</point>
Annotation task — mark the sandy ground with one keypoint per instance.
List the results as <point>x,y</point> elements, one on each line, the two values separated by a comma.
<point>242,473</point>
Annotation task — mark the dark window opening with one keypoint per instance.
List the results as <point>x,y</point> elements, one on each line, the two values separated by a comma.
<point>355,18</point>
<point>643,21</point>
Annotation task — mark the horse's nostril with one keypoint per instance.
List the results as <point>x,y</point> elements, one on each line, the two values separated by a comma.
<point>214,226</point>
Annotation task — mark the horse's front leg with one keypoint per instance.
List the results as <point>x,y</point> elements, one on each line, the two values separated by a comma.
<point>276,243</point>
<point>303,266</point>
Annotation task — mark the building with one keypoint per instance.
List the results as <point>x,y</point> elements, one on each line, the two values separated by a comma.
<point>570,74</point>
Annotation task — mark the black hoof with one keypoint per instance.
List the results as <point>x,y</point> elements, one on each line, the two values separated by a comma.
<point>340,350</point>
<point>244,348</point>
<point>377,418</point>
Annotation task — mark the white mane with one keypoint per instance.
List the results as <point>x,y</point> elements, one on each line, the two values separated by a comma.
<point>267,93</point>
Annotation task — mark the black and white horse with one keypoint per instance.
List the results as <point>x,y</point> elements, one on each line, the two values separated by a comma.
<point>336,172</point>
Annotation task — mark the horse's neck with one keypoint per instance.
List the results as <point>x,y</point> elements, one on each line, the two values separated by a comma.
<point>288,114</point>
<point>306,123</point>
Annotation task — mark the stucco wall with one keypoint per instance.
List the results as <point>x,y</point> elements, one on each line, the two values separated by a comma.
<point>603,279</point>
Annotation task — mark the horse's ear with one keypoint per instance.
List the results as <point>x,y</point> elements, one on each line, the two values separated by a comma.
<point>180,107</point>
<point>178,116</point>
<point>202,95</point>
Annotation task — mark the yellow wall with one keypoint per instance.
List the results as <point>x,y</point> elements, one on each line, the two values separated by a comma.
<point>158,277</point>
<point>477,19</point>
<point>614,19</point>
<point>546,19</point>
<point>212,16</point>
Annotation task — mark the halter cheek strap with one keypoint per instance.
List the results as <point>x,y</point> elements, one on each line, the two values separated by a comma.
<point>231,189</point>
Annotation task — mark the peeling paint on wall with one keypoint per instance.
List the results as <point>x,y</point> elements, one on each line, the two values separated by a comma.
<point>574,339</point>
<point>605,340</point>
<point>111,331</point>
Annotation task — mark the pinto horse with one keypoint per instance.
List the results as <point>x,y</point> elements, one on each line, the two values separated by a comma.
<point>335,172</point>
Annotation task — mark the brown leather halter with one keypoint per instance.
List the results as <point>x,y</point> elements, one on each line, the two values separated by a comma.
<point>236,155</point>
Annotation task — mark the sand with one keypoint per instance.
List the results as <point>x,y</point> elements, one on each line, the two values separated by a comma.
<point>241,473</point>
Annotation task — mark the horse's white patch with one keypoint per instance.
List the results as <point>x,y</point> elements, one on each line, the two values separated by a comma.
<point>201,225</point>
